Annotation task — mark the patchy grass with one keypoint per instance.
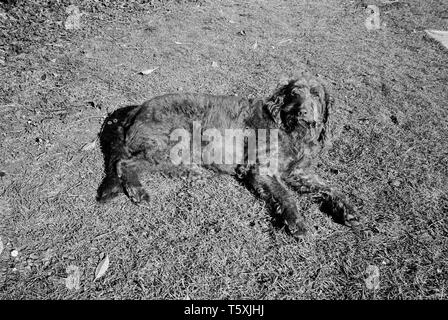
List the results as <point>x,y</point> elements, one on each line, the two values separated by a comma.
<point>216,242</point>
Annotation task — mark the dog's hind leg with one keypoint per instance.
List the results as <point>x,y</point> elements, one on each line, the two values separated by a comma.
<point>127,173</point>
<point>330,201</point>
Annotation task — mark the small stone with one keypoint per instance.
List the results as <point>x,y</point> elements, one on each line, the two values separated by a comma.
<point>395,183</point>
<point>373,277</point>
<point>14,253</point>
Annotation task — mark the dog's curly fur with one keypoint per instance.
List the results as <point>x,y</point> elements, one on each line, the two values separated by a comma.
<point>299,109</point>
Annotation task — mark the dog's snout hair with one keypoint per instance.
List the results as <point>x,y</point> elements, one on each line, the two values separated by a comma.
<point>299,109</point>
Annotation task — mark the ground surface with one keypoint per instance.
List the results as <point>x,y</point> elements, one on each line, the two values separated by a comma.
<point>389,154</point>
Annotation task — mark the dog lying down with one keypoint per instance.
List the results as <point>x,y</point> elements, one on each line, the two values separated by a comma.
<point>294,119</point>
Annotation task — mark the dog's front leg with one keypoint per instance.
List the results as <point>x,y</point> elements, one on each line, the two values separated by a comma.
<point>127,173</point>
<point>278,198</point>
<point>330,201</point>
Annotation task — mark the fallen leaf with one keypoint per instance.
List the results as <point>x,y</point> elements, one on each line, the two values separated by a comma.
<point>214,64</point>
<point>255,46</point>
<point>89,146</point>
<point>73,279</point>
<point>285,41</point>
<point>102,268</point>
<point>373,277</point>
<point>14,253</point>
<point>148,71</point>
<point>440,36</point>
<point>5,208</point>
<point>73,21</point>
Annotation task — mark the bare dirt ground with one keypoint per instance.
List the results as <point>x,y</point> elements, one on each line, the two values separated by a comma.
<point>217,242</point>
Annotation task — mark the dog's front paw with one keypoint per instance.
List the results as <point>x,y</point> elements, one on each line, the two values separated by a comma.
<point>137,194</point>
<point>296,228</point>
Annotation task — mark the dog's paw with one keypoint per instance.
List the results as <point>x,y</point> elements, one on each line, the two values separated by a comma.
<point>297,229</point>
<point>137,194</point>
<point>110,188</point>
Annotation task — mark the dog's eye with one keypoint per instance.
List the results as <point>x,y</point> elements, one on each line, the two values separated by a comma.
<point>314,91</point>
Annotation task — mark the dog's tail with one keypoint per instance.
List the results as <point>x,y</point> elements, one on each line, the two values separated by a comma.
<point>113,145</point>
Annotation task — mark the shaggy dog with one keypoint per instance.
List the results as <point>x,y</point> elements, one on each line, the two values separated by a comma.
<point>299,109</point>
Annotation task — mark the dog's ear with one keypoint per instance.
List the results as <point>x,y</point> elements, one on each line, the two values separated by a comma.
<point>329,102</point>
<point>275,102</point>
<point>327,109</point>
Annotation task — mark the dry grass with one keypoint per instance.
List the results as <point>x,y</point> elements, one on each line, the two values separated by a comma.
<point>217,242</point>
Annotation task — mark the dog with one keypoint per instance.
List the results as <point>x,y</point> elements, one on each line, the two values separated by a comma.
<point>299,110</point>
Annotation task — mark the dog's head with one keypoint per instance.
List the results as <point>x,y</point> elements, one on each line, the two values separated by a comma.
<point>302,103</point>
